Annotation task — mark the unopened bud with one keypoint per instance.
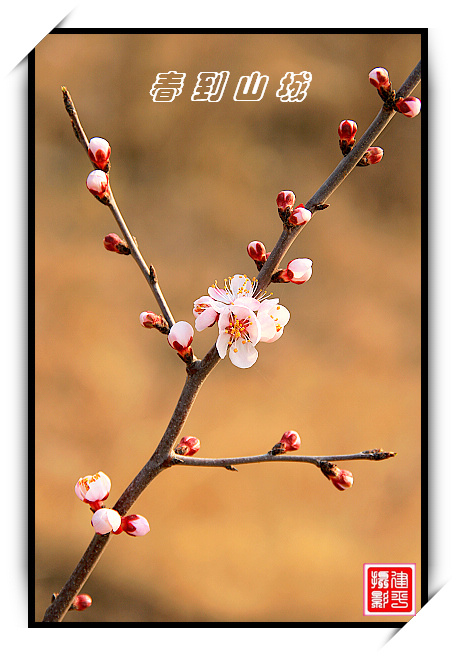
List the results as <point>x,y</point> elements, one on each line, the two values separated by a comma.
<point>180,337</point>
<point>106,520</point>
<point>99,153</point>
<point>410,106</point>
<point>379,77</point>
<point>114,243</point>
<point>285,199</point>
<point>290,441</point>
<point>257,251</point>
<point>300,216</point>
<point>81,602</point>
<point>347,130</point>
<point>134,525</point>
<point>152,320</point>
<point>93,489</point>
<point>285,202</point>
<point>374,155</point>
<point>188,446</point>
<point>98,184</point>
<point>298,271</point>
<point>342,479</point>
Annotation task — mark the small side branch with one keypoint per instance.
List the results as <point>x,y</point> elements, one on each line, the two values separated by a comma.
<point>230,463</point>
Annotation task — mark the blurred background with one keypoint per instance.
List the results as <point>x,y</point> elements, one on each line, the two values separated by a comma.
<point>196,182</point>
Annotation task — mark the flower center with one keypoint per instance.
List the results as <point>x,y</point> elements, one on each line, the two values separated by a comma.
<point>238,329</point>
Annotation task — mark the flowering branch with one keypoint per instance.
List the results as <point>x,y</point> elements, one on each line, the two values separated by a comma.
<point>244,318</point>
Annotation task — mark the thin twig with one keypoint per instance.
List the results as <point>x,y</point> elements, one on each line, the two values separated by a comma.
<point>191,461</point>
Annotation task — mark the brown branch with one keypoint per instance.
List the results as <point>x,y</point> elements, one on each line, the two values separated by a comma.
<point>191,461</point>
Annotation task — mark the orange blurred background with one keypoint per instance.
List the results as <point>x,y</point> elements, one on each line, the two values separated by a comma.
<point>196,182</point>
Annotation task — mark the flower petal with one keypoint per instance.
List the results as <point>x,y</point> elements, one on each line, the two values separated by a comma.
<point>243,354</point>
<point>222,344</point>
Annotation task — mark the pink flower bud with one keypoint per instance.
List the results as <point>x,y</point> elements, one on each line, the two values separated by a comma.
<point>342,480</point>
<point>135,525</point>
<point>81,602</point>
<point>188,446</point>
<point>257,251</point>
<point>181,336</point>
<point>152,320</point>
<point>291,440</point>
<point>410,106</point>
<point>98,184</point>
<point>298,271</point>
<point>99,152</point>
<point>93,489</point>
<point>374,155</point>
<point>300,216</point>
<point>379,77</point>
<point>114,243</point>
<point>285,199</point>
<point>105,520</point>
<point>347,130</point>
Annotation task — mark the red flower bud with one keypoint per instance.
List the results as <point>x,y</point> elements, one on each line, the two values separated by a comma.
<point>285,199</point>
<point>291,440</point>
<point>188,446</point>
<point>114,243</point>
<point>374,155</point>
<point>379,77</point>
<point>257,251</point>
<point>99,153</point>
<point>410,106</point>
<point>81,602</point>
<point>347,130</point>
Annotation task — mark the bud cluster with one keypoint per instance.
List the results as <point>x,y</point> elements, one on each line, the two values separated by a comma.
<point>95,489</point>
<point>409,106</point>
<point>297,217</point>
<point>99,152</point>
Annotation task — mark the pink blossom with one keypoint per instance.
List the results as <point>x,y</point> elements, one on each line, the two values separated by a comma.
<point>273,318</point>
<point>238,290</point>
<point>410,106</point>
<point>239,331</point>
<point>106,520</point>
<point>93,489</point>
